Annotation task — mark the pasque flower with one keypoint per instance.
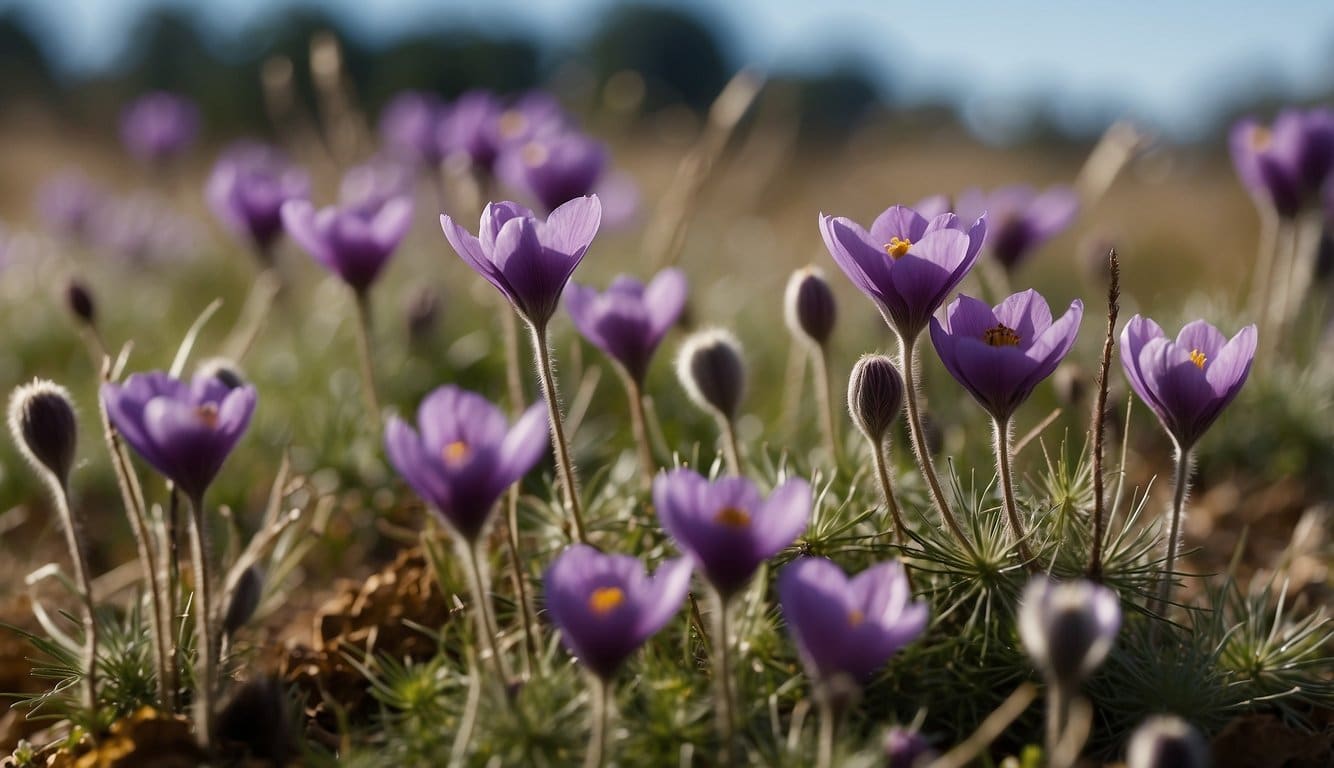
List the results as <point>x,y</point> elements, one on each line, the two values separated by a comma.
<point>248,186</point>
<point>158,126</point>
<point>1068,627</point>
<point>726,526</point>
<point>409,125</point>
<point>905,263</point>
<point>352,241</point>
<point>67,202</point>
<point>185,430</point>
<point>629,320</point>
<point>1285,165</point>
<point>464,454</point>
<point>1187,382</point>
<point>606,605</point>
<point>468,127</point>
<point>526,258</point>
<point>554,169</point>
<point>1019,218</point>
<point>848,626</point>
<point>999,355</point>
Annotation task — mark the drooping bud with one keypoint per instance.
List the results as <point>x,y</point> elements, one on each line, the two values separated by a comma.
<point>906,748</point>
<point>222,369</point>
<point>79,299</point>
<point>809,306</point>
<point>1167,741</point>
<point>423,314</point>
<point>244,600</point>
<point>712,371</point>
<point>42,421</point>
<point>1068,628</point>
<point>875,396</point>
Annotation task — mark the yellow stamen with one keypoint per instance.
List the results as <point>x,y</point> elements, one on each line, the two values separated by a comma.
<point>604,600</point>
<point>732,517</point>
<point>1199,358</point>
<point>897,247</point>
<point>855,617</point>
<point>208,413</point>
<point>1261,138</point>
<point>456,452</point>
<point>1001,336</point>
<point>512,123</point>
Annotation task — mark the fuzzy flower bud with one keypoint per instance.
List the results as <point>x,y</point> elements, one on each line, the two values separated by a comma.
<point>875,396</point>
<point>1166,741</point>
<point>1068,628</point>
<point>42,421</point>
<point>712,371</point>
<point>79,299</point>
<point>222,369</point>
<point>809,306</point>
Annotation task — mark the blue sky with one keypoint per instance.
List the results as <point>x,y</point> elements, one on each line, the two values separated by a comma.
<point>1169,62</point>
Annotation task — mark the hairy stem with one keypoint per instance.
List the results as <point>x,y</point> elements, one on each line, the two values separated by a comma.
<point>1099,424</point>
<point>829,717</point>
<point>509,335</point>
<point>364,357</point>
<point>731,448</point>
<point>638,426</point>
<point>1058,706</point>
<point>1261,284</point>
<point>820,372</point>
<point>486,626</point>
<point>887,488</point>
<point>557,424</point>
<point>530,644</point>
<point>907,363</point>
<point>206,665</point>
<point>79,564</point>
<point>597,739</point>
<point>1180,488</point>
<point>1014,524</point>
<point>724,706</point>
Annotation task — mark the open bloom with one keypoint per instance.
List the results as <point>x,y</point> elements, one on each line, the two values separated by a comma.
<point>1189,381</point>
<point>725,526</point>
<point>606,606</point>
<point>1068,627</point>
<point>467,127</point>
<point>1019,218</point>
<point>158,126</point>
<point>527,259</point>
<point>630,319</point>
<point>999,355</point>
<point>534,115</point>
<point>354,242</point>
<point>408,126</point>
<point>848,626</point>
<point>465,455</point>
<point>906,264</point>
<point>248,186</point>
<point>1286,164</point>
<point>185,430</point>
<point>554,169</point>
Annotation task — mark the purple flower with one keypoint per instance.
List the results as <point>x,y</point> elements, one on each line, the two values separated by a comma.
<point>353,242</point>
<point>1189,381</point>
<point>248,186</point>
<point>140,229</point>
<point>848,626</point>
<point>66,203</point>
<point>185,430</point>
<point>725,526</point>
<point>606,606</point>
<point>1019,218</point>
<point>999,355</point>
<point>158,126</point>
<point>468,127</point>
<point>465,455</point>
<point>1068,627</point>
<point>534,115</point>
<point>554,169</point>
<point>1285,165</point>
<point>630,319</point>
<point>906,264</point>
<point>904,748</point>
<point>529,260</point>
<point>372,184</point>
<point>408,126</point>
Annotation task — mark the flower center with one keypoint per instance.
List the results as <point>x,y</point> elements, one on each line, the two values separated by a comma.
<point>535,154</point>
<point>855,617</point>
<point>456,452</point>
<point>512,123</point>
<point>604,600</point>
<point>732,517</point>
<point>1261,138</point>
<point>1199,358</point>
<point>1001,336</point>
<point>896,247</point>
<point>208,414</point>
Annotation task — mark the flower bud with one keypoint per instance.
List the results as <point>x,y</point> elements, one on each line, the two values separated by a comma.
<point>905,748</point>
<point>712,371</point>
<point>79,299</point>
<point>809,306</point>
<point>42,421</point>
<point>1068,628</point>
<point>423,313</point>
<point>222,369</point>
<point>244,600</point>
<point>875,396</point>
<point>1166,741</point>
<point>1071,383</point>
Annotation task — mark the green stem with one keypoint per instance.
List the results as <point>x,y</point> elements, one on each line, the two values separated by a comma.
<point>1058,706</point>
<point>206,664</point>
<point>557,423</point>
<point>828,728</point>
<point>820,372</point>
<point>486,627</point>
<point>724,705</point>
<point>887,488</point>
<point>82,576</point>
<point>1014,524</point>
<point>597,740</point>
<point>1180,488</point>
<point>364,356</point>
<point>530,644</point>
<point>639,429</point>
<point>731,448</point>
<point>908,363</point>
